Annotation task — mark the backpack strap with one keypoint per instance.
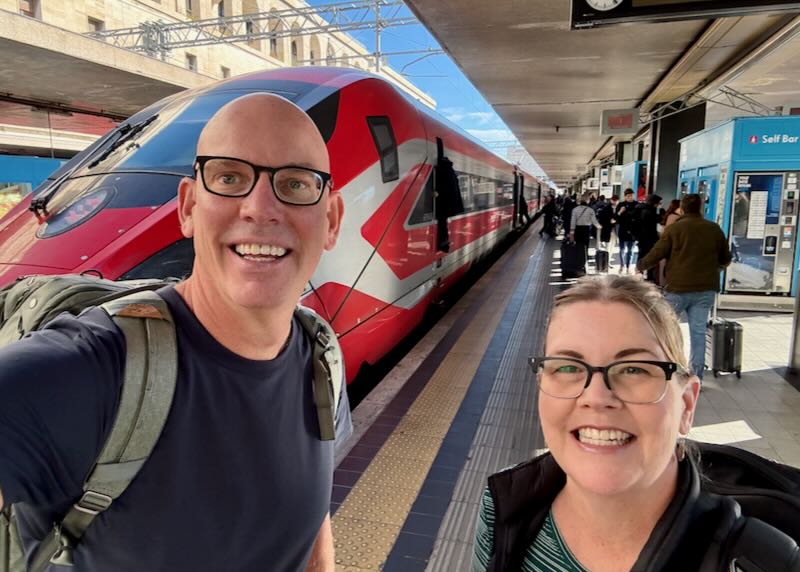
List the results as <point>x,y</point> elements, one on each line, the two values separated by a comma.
<point>328,370</point>
<point>150,377</point>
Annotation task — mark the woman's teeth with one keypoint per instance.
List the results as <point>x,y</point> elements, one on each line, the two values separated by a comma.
<point>259,250</point>
<point>603,437</point>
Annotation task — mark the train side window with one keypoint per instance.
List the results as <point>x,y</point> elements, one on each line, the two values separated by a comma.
<point>465,185</point>
<point>383,136</point>
<point>423,210</point>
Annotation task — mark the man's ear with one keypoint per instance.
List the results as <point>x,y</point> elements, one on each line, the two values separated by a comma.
<point>186,202</point>
<point>334,214</point>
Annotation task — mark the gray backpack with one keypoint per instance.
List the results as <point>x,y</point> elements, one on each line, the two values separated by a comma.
<point>149,385</point>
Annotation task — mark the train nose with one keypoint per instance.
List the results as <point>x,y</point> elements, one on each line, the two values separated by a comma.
<point>85,228</point>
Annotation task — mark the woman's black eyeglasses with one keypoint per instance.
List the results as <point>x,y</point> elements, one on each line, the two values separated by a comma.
<point>631,381</point>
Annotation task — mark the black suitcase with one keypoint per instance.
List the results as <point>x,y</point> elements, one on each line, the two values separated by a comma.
<point>573,260</point>
<point>601,260</point>
<point>724,347</point>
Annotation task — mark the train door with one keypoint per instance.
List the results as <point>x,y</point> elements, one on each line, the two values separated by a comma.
<point>763,233</point>
<point>448,200</point>
<point>516,196</point>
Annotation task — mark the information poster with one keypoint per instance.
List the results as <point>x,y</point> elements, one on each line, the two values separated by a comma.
<point>757,218</point>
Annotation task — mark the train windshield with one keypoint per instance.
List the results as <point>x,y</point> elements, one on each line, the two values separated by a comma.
<point>164,142</point>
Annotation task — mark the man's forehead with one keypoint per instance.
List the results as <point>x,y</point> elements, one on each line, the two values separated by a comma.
<point>257,125</point>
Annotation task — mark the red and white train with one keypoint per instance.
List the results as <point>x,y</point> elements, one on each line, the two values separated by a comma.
<point>111,210</point>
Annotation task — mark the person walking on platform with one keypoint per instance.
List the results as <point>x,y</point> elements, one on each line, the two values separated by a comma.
<point>582,221</point>
<point>621,488</point>
<point>241,476</point>
<point>605,216</point>
<point>549,213</point>
<point>696,251</point>
<point>625,229</point>
<point>672,214</point>
<point>566,213</point>
<point>646,228</point>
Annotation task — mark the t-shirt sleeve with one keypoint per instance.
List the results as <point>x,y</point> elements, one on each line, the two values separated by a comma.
<point>483,547</point>
<point>58,396</point>
<point>344,421</point>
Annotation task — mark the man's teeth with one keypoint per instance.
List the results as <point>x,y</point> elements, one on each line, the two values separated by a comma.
<point>260,249</point>
<point>593,436</point>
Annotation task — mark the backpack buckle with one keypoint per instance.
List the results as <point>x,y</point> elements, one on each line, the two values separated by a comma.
<point>323,338</point>
<point>63,555</point>
<point>93,503</point>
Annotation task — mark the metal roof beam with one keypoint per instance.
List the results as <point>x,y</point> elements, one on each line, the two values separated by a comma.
<point>156,38</point>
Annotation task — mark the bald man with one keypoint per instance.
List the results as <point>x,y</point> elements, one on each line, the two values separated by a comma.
<point>239,479</point>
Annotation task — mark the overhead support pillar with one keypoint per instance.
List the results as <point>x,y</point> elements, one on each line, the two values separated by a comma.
<point>662,178</point>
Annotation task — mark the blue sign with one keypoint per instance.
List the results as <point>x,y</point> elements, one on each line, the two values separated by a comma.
<point>769,138</point>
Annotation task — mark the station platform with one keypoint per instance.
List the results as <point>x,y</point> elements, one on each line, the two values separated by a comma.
<point>462,405</point>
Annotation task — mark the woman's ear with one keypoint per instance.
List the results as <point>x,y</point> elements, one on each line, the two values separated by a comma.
<point>690,394</point>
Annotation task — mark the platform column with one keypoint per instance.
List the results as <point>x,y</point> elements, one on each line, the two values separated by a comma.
<point>794,357</point>
<point>662,174</point>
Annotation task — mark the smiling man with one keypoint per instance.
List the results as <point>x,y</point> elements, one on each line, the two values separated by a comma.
<point>240,478</point>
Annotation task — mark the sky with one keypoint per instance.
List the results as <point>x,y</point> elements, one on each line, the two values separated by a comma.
<point>438,76</point>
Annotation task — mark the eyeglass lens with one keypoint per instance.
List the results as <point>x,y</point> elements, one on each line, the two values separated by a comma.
<point>234,178</point>
<point>631,381</point>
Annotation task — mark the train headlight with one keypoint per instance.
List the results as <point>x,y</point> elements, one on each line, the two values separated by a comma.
<point>76,213</point>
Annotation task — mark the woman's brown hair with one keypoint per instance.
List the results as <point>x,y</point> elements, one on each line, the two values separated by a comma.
<point>640,295</point>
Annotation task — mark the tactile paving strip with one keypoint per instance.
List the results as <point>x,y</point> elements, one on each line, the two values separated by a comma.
<point>367,524</point>
<point>508,431</point>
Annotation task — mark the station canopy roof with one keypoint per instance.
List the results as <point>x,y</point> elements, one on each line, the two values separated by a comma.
<point>550,84</point>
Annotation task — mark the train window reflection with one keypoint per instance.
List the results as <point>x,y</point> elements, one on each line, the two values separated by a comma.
<point>423,210</point>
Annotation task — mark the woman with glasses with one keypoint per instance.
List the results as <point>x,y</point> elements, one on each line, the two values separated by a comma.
<point>617,490</point>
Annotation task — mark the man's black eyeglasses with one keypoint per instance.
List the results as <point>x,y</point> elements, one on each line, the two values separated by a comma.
<point>631,381</point>
<point>232,177</point>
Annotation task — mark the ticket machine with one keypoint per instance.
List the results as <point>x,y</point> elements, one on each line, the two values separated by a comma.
<point>748,170</point>
<point>763,232</point>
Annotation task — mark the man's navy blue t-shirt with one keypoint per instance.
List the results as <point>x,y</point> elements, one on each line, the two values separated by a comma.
<point>238,481</point>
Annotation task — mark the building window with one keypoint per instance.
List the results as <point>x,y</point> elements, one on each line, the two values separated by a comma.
<point>221,9</point>
<point>191,62</point>
<point>96,25</point>
<point>30,8</point>
<point>226,72</point>
<point>188,7</point>
<point>273,47</point>
<point>313,58</point>
<point>248,27</point>
<point>330,59</point>
<point>294,52</point>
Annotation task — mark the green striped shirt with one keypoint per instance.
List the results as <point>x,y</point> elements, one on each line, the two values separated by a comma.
<point>547,553</point>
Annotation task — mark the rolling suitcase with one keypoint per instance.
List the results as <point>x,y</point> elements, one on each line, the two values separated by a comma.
<point>723,345</point>
<point>724,337</point>
<point>573,260</point>
<point>601,260</point>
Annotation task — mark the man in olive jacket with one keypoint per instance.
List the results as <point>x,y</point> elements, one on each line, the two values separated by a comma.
<point>696,251</point>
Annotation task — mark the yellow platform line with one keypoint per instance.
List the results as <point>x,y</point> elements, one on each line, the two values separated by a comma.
<point>367,524</point>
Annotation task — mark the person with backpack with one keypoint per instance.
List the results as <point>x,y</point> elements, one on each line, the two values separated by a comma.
<point>621,488</point>
<point>647,219</point>
<point>626,227</point>
<point>583,220</point>
<point>225,457</point>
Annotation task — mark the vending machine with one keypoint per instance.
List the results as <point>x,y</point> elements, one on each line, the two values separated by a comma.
<point>748,172</point>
